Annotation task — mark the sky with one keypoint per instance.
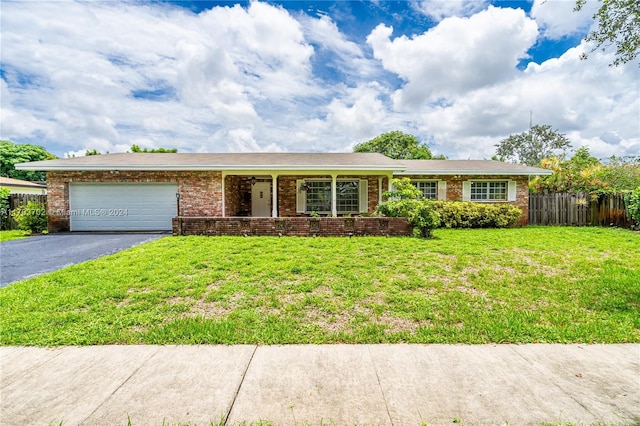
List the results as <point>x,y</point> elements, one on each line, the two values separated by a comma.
<point>308,76</point>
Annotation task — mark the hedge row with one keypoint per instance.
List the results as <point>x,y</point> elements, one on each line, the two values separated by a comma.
<point>426,215</point>
<point>466,214</point>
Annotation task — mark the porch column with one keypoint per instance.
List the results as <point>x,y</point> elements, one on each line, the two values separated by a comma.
<point>334,196</point>
<point>379,189</point>
<point>274,192</point>
<point>224,175</point>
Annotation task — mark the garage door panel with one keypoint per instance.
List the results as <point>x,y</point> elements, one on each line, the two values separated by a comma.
<point>122,207</point>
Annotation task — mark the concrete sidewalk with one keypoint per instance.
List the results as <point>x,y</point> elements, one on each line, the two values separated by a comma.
<point>329,384</point>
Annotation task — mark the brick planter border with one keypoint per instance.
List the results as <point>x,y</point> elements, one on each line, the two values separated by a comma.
<point>292,226</point>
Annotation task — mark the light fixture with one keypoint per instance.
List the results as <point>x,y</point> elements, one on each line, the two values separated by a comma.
<point>253,180</point>
<point>177,196</point>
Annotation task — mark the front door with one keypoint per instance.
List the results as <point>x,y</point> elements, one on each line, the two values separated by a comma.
<point>261,199</point>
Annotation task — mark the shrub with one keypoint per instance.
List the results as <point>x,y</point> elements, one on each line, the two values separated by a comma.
<point>31,217</point>
<point>633,206</point>
<point>4,206</point>
<point>421,214</point>
<point>466,214</point>
<point>426,215</point>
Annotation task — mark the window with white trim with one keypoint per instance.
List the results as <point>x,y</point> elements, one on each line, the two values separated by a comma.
<point>429,189</point>
<point>318,193</point>
<point>318,196</point>
<point>489,191</point>
<point>347,196</point>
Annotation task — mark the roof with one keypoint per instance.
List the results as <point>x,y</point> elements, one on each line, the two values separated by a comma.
<point>468,167</point>
<point>221,161</point>
<point>4,181</point>
<point>281,161</point>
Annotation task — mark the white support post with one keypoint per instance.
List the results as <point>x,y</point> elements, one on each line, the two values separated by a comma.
<point>223,197</point>
<point>274,192</point>
<point>334,195</point>
<point>379,189</point>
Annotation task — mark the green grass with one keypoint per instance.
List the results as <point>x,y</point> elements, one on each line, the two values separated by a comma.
<point>465,286</point>
<point>12,235</point>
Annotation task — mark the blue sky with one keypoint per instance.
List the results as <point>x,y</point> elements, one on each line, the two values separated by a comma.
<point>316,76</point>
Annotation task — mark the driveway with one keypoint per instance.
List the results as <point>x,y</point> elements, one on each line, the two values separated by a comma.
<point>26,258</point>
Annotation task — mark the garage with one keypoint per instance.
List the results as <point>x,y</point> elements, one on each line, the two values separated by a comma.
<point>122,206</point>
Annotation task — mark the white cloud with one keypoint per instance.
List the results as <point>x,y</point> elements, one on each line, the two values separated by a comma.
<point>458,55</point>
<point>91,67</point>
<point>565,93</point>
<point>107,75</point>
<point>441,9</point>
<point>558,19</point>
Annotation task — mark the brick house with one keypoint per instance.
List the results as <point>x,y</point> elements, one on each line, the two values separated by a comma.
<point>144,191</point>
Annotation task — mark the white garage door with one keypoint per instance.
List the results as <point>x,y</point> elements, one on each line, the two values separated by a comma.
<point>122,206</point>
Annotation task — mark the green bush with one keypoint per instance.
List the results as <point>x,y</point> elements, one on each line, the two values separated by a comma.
<point>426,215</point>
<point>4,206</point>
<point>633,206</point>
<point>421,214</point>
<point>466,214</point>
<point>31,217</point>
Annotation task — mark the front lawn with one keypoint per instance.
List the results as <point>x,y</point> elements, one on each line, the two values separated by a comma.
<point>466,286</point>
<point>12,235</point>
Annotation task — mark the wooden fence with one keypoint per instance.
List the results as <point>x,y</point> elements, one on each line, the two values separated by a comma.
<point>15,201</point>
<point>578,209</point>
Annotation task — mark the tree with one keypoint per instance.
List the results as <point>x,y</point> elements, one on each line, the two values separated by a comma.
<point>530,147</point>
<point>92,152</point>
<point>396,145</point>
<point>618,23</point>
<point>12,154</point>
<point>584,173</point>
<point>137,149</point>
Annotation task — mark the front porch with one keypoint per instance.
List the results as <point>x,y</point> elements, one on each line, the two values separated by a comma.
<point>292,226</point>
<point>300,195</point>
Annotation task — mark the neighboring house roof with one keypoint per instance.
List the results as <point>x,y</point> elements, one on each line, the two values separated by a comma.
<point>9,182</point>
<point>282,161</point>
<point>222,161</point>
<point>468,167</point>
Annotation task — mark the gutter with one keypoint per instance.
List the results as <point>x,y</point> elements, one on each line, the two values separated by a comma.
<point>108,167</point>
<point>476,173</point>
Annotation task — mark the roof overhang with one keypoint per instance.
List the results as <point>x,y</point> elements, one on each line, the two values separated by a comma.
<point>474,173</point>
<point>212,167</point>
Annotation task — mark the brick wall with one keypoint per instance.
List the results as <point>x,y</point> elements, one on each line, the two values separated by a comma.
<point>454,189</point>
<point>200,192</point>
<point>287,192</point>
<point>292,226</point>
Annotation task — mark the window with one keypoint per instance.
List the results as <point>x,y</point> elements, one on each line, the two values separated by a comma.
<point>315,196</point>
<point>318,196</point>
<point>489,191</point>
<point>429,189</point>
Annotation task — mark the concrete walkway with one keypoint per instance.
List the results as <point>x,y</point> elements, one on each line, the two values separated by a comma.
<point>328,384</point>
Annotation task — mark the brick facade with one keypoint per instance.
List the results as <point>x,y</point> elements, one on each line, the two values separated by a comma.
<point>454,189</point>
<point>201,197</point>
<point>292,226</point>
<point>200,192</point>
<point>287,192</point>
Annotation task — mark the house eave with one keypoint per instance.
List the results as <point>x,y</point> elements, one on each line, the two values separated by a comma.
<point>472,173</point>
<point>243,168</point>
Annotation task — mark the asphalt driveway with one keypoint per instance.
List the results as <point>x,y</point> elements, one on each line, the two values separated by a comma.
<point>26,258</point>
